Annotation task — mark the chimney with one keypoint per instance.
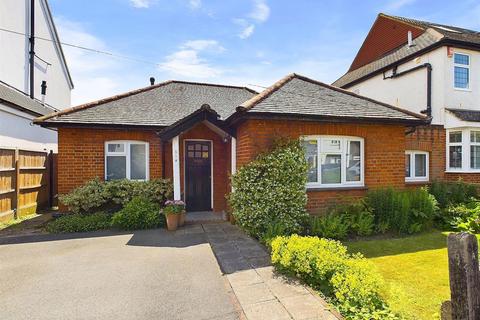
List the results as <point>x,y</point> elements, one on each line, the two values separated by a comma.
<point>152,81</point>
<point>410,39</point>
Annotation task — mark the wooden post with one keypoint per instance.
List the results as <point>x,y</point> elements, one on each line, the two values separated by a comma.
<point>50,178</point>
<point>17,184</point>
<point>464,276</point>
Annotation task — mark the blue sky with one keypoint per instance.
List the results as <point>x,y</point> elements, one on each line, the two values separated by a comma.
<point>241,42</point>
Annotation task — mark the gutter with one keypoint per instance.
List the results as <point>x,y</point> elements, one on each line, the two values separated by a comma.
<point>428,66</point>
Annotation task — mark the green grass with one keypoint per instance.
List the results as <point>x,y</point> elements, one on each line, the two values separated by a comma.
<point>16,222</point>
<point>415,269</point>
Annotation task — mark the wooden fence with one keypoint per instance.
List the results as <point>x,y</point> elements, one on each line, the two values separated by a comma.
<point>27,182</point>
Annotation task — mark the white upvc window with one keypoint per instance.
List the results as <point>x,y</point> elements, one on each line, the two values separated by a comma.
<point>461,71</point>
<point>416,166</point>
<point>334,161</point>
<point>126,160</point>
<point>463,150</point>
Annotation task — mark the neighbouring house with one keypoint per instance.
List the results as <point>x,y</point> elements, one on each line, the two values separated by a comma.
<point>197,134</point>
<point>433,69</point>
<point>34,77</point>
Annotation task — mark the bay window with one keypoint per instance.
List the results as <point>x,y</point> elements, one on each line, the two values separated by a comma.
<point>126,160</point>
<point>416,166</point>
<point>463,149</point>
<point>334,161</point>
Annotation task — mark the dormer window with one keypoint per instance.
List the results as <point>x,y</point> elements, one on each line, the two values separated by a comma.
<point>461,71</point>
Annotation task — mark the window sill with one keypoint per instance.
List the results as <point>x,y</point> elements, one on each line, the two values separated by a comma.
<point>342,188</point>
<point>462,171</point>
<point>417,182</point>
<point>460,89</point>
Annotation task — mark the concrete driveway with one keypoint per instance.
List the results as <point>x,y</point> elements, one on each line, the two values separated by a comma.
<point>142,275</point>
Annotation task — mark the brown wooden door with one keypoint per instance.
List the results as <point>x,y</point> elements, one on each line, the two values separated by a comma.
<point>198,175</point>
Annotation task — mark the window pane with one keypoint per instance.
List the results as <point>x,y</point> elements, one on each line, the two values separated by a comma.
<point>461,59</point>
<point>138,165</point>
<point>353,161</point>
<point>461,77</point>
<point>329,145</point>
<point>455,156</point>
<point>116,147</point>
<point>475,157</point>
<point>455,137</point>
<point>116,167</point>
<point>420,165</point>
<point>407,165</point>
<point>331,168</point>
<point>475,136</point>
<point>311,156</point>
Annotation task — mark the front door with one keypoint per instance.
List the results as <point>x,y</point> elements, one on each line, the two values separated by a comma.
<point>198,175</point>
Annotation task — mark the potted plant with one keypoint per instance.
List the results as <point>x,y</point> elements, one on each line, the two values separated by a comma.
<point>174,213</point>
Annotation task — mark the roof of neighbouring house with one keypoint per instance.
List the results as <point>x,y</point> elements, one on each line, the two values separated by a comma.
<point>434,35</point>
<point>301,96</point>
<point>158,105</point>
<point>466,115</point>
<point>21,101</point>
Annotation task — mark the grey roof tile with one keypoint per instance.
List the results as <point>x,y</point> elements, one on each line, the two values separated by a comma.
<point>22,101</point>
<point>466,115</point>
<point>159,105</point>
<point>297,94</point>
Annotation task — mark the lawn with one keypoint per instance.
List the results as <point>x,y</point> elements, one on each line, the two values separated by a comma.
<point>415,269</point>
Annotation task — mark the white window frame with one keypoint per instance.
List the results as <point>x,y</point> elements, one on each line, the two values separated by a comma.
<point>465,144</point>
<point>412,177</point>
<point>462,66</point>
<point>343,152</point>
<point>126,153</point>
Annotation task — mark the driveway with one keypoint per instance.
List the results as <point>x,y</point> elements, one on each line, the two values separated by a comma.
<point>142,275</point>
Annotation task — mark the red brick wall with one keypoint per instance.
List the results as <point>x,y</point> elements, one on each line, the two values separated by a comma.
<point>81,154</point>
<point>384,152</point>
<point>385,35</point>
<point>433,140</point>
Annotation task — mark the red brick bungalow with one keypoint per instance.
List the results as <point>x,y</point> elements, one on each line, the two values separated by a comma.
<point>197,134</point>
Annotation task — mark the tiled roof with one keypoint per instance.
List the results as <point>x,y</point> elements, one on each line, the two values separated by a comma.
<point>22,101</point>
<point>433,35</point>
<point>466,115</point>
<point>299,95</point>
<point>159,105</point>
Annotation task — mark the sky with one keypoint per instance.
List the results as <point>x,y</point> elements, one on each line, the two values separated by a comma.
<point>240,42</point>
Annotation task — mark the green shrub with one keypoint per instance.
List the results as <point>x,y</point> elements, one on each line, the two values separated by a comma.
<point>331,225</point>
<point>272,231</point>
<point>350,281</point>
<point>463,217</point>
<point>271,188</point>
<point>403,211</point>
<point>452,193</point>
<point>362,223</point>
<point>80,223</point>
<point>112,195</point>
<point>139,213</point>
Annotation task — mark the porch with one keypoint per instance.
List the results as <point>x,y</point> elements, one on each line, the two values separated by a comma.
<point>199,156</point>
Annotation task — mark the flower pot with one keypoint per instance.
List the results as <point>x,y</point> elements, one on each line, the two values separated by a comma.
<point>181,219</point>
<point>172,222</point>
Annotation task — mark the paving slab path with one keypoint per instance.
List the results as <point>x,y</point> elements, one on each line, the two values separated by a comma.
<point>260,291</point>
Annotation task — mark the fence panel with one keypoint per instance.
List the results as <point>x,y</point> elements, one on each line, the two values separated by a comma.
<point>26,182</point>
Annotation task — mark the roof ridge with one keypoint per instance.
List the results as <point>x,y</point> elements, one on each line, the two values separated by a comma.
<point>213,85</point>
<point>425,24</point>
<point>253,101</point>
<point>328,86</point>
